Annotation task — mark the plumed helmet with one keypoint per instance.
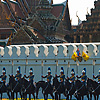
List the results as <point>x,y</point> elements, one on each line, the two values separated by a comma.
<point>72,71</point>
<point>18,69</point>
<point>31,70</point>
<point>99,70</point>
<point>62,69</point>
<point>4,70</point>
<point>84,70</point>
<point>49,69</point>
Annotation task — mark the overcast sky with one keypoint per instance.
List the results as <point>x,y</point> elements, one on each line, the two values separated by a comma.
<point>80,6</point>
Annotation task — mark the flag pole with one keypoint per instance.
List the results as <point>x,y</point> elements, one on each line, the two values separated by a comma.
<point>77,66</point>
<point>56,65</point>
<point>42,70</point>
<point>12,66</point>
<point>68,66</point>
<point>93,65</point>
<point>26,64</point>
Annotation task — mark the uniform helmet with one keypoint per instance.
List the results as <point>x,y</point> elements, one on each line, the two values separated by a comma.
<point>31,70</point>
<point>99,70</point>
<point>49,69</point>
<point>18,69</point>
<point>62,69</point>
<point>72,71</point>
<point>4,70</point>
<point>84,70</point>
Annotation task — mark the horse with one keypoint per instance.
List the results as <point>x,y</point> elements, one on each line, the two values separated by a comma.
<point>47,88</point>
<point>4,89</point>
<point>81,90</point>
<point>27,88</point>
<point>59,88</point>
<point>70,89</point>
<point>94,88</point>
<point>15,86</point>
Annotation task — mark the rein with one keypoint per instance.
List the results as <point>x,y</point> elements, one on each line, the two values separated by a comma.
<point>58,87</point>
<point>46,87</point>
<point>15,86</point>
<point>28,86</point>
<point>80,88</point>
<point>96,88</point>
<point>1,85</point>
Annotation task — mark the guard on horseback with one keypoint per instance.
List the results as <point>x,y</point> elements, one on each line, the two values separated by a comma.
<point>48,76</point>
<point>83,77</point>
<point>62,76</point>
<point>72,77</point>
<point>98,76</point>
<point>18,74</point>
<point>31,76</point>
<point>3,76</point>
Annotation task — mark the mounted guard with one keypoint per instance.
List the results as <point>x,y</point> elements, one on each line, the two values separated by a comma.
<point>18,74</point>
<point>98,76</point>
<point>3,76</point>
<point>31,76</point>
<point>83,77</point>
<point>72,77</point>
<point>48,76</point>
<point>62,76</point>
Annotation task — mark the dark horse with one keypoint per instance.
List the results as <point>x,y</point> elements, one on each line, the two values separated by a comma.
<point>46,89</point>
<point>15,86</point>
<point>27,88</point>
<point>59,88</point>
<point>70,89</point>
<point>81,90</point>
<point>94,88</point>
<point>4,89</point>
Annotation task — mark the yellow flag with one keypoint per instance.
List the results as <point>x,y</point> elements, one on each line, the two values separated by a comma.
<point>74,56</point>
<point>85,56</point>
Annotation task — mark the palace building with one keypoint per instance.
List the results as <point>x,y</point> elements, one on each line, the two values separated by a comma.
<point>34,21</point>
<point>89,30</point>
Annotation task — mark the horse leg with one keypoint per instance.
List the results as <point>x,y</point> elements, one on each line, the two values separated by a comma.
<point>29,96</point>
<point>46,97</point>
<point>12,95</point>
<point>70,97</point>
<point>67,98</point>
<point>59,96</point>
<point>37,94</point>
<point>82,97</point>
<point>16,95</point>
<point>56,96</point>
<point>8,94</point>
<point>52,95</point>
<point>97,97</point>
<point>94,97</point>
<point>88,96</point>
<point>20,95</point>
<point>33,95</point>
<point>1,96</point>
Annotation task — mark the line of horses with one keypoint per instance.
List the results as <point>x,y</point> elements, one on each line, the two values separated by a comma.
<point>24,87</point>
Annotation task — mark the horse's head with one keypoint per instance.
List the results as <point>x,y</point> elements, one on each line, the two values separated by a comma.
<point>78,84</point>
<point>55,81</point>
<point>91,83</point>
<point>40,84</point>
<point>11,79</point>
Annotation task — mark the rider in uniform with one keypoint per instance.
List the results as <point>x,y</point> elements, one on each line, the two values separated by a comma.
<point>31,76</point>
<point>83,77</point>
<point>3,76</point>
<point>98,76</point>
<point>48,76</point>
<point>18,74</point>
<point>62,76</point>
<point>72,77</point>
